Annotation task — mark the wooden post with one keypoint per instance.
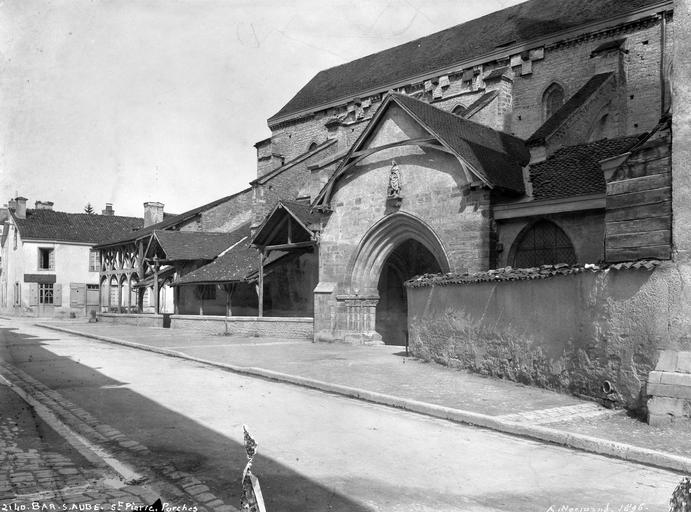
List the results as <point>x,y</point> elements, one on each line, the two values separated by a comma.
<point>129,293</point>
<point>119,294</point>
<point>177,300</point>
<point>261,283</point>
<point>108,291</point>
<point>156,285</point>
<point>229,288</point>
<point>141,276</point>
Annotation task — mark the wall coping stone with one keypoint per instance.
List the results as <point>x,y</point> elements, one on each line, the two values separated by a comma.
<point>266,319</point>
<point>520,274</point>
<point>129,315</point>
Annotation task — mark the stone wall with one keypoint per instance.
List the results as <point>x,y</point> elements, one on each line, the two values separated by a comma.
<point>141,320</point>
<point>285,328</point>
<point>224,217</point>
<point>594,333</point>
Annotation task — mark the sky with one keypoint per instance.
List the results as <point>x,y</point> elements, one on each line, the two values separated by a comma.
<point>128,101</point>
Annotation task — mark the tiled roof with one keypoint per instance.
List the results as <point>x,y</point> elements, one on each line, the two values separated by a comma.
<point>496,155</point>
<point>575,170</point>
<point>196,245</point>
<point>74,227</point>
<point>301,212</point>
<point>235,265</point>
<point>169,222</point>
<point>522,274</point>
<point>471,40</point>
<point>568,108</point>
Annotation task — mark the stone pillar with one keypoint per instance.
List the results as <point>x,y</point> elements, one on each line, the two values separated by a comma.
<point>669,386</point>
<point>681,131</point>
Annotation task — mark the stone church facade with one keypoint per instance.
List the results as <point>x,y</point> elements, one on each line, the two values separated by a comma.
<point>497,130</point>
<point>536,138</point>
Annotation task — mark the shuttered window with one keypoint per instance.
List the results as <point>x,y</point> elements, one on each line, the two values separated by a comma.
<point>94,261</point>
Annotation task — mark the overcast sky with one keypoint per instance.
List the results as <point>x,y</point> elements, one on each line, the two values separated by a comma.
<point>126,101</point>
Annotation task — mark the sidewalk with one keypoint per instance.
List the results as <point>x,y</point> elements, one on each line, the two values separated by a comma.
<point>384,375</point>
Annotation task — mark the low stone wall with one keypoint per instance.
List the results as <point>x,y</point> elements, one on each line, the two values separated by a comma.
<point>593,333</point>
<point>272,327</point>
<point>142,320</point>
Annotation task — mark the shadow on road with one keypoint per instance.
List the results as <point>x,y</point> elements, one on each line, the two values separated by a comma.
<point>171,437</point>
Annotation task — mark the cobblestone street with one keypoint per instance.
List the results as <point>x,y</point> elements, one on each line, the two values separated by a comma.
<point>40,469</point>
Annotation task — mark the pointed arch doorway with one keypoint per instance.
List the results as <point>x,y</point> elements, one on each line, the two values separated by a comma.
<point>397,248</point>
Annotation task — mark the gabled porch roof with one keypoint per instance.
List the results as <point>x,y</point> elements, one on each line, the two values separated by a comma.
<point>487,156</point>
<point>290,225</point>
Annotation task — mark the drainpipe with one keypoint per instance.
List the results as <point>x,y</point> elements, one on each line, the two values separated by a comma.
<point>663,39</point>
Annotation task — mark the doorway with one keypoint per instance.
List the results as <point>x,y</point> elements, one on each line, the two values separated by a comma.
<point>408,259</point>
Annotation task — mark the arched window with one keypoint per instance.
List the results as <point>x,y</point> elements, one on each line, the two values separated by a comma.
<point>459,110</point>
<point>552,100</point>
<point>544,243</point>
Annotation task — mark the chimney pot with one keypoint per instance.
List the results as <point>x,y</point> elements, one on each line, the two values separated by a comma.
<point>44,205</point>
<point>20,209</point>
<point>153,213</point>
<point>109,210</point>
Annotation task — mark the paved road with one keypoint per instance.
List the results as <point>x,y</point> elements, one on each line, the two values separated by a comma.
<point>318,452</point>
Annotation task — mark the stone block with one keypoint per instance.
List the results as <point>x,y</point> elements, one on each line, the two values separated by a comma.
<point>664,410</point>
<point>667,361</point>
<point>654,377</point>
<point>675,378</point>
<point>669,390</point>
<point>684,362</point>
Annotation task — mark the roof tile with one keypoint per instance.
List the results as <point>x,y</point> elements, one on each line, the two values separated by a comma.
<point>575,170</point>
<point>46,224</point>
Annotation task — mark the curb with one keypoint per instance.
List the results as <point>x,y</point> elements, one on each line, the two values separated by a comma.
<point>559,437</point>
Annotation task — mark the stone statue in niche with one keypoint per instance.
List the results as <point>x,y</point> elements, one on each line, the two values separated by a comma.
<point>394,191</point>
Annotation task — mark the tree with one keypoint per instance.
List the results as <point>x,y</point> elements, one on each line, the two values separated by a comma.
<point>89,209</point>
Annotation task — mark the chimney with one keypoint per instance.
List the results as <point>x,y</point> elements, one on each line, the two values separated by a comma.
<point>20,210</point>
<point>44,205</point>
<point>12,204</point>
<point>153,213</point>
<point>109,210</point>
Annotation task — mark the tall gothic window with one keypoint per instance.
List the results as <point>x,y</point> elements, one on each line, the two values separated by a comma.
<point>544,243</point>
<point>552,100</point>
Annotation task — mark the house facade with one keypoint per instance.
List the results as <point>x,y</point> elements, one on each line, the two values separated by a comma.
<point>49,268</point>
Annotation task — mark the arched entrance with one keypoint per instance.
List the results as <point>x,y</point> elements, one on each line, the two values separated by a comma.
<point>395,249</point>
<point>407,260</point>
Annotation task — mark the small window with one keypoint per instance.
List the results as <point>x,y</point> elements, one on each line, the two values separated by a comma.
<point>15,239</point>
<point>45,293</point>
<point>313,146</point>
<point>94,261</point>
<point>17,294</point>
<point>46,259</point>
<point>552,100</point>
<point>543,244</point>
<point>207,292</point>
<point>92,287</point>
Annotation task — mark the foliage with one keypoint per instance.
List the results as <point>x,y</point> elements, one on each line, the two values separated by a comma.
<point>681,497</point>
<point>88,209</point>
